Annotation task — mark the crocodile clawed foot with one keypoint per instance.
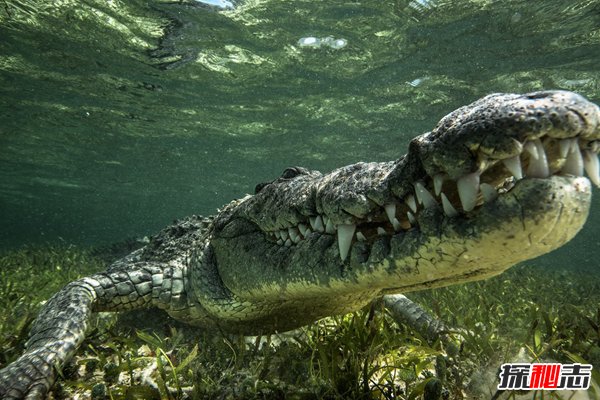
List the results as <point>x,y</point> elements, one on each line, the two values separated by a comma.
<point>30,377</point>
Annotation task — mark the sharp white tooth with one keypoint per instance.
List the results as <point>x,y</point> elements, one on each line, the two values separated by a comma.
<point>380,231</point>
<point>531,149</point>
<point>279,242</point>
<point>518,146</point>
<point>396,224</point>
<point>390,210</point>
<point>288,243</point>
<point>411,218</point>
<point>307,232</point>
<point>574,145</point>
<point>564,145</point>
<point>488,191</point>
<point>592,167</point>
<point>277,234</point>
<point>360,236</point>
<point>418,194</point>
<point>294,234</point>
<point>319,224</point>
<point>438,180</point>
<point>468,188</point>
<point>449,209</point>
<point>302,228</point>
<point>330,228</point>
<point>344,234</point>
<point>574,163</point>
<point>423,195</point>
<point>513,164</point>
<point>538,166</point>
<point>284,234</point>
<point>411,203</point>
<point>595,146</point>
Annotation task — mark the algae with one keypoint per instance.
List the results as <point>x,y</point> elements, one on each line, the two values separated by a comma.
<point>529,313</point>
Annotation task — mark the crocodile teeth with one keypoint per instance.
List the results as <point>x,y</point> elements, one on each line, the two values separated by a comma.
<point>411,203</point>
<point>438,180</point>
<point>317,223</point>
<point>411,218</point>
<point>518,146</point>
<point>302,228</point>
<point>423,195</point>
<point>344,234</point>
<point>294,234</point>
<point>360,237</point>
<point>532,149</point>
<point>538,165</point>
<point>277,234</point>
<point>288,243</point>
<point>592,167</point>
<point>513,164</point>
<point>564,146</point>
<point>574,163</point>
<point>390,210</point>
<point>279,241</point>
<point>284,234</point>
<point>468,188</point>
<point>449,209</point>
<point>488,191</point>
<point>380,231</point>
<point>330,228</point>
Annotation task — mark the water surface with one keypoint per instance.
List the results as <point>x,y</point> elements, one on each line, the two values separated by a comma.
<point>118,116</point>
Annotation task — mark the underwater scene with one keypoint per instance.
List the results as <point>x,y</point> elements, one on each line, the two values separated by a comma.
<point>229,199</point>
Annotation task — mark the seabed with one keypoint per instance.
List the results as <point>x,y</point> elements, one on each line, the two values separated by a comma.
<point>528,314</point>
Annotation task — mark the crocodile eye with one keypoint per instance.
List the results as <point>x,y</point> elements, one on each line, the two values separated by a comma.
<point>293,172</point>
<point>260,187</point>
<point>288,173</point>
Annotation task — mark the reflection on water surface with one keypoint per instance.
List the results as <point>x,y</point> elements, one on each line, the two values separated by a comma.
<point>116,117</point>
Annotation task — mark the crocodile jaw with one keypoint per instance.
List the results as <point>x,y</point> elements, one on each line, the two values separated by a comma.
<point>533,218</point>
<point>285,242</point>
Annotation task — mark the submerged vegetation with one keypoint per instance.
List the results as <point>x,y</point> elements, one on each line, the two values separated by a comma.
<point>528,314</point>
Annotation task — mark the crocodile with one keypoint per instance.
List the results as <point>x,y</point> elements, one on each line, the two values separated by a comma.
<point>494,183</point>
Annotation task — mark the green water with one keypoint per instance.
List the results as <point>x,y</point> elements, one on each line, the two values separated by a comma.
<point>117,117</point>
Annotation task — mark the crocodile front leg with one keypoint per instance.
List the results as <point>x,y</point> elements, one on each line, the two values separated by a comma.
<point>405,311</point>
<point>57,332</point>
<point>61,325</point>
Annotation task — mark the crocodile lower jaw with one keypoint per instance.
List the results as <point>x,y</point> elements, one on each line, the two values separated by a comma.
<point>536,216</point>
<point>541,158</point>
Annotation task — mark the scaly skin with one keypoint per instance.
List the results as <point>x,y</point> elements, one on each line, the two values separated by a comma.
<point>308,245</point>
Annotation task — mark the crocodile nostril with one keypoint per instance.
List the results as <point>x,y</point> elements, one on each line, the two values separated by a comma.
<point>539,95</point>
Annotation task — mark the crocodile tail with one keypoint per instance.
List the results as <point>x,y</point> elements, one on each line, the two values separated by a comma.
<point>61,325</point>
